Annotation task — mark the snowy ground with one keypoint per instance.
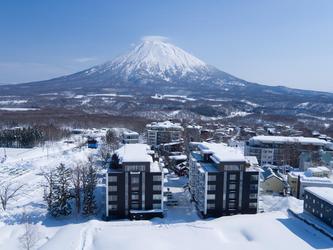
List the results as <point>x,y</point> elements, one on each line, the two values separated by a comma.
<point>180,229</point>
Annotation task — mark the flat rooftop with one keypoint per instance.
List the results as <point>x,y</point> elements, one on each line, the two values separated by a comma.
<point>165,124</point>
<point>304,178</point>
<point>288,140</point>
<point>134,153</point>
<point>324,193</point>
<point>221,152</point>
<point>130,133</point>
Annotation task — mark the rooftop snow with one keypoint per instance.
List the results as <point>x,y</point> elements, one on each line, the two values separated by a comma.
<point>165,124</point>
<point>221,152</point>
<point>134,153</point>
<point>128,133</point>
<point>324,193</point>
<point>288,139</point>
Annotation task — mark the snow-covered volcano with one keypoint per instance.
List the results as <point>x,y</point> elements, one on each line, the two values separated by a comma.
<point>154,60</point>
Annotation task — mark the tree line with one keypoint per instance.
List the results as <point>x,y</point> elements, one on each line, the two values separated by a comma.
<point>31,136</point>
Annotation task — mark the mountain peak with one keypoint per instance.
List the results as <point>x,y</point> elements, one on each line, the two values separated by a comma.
<point>154,58</point>
<point>157,56</point>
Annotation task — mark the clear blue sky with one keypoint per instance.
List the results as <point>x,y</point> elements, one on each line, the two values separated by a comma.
<point>276,42</point>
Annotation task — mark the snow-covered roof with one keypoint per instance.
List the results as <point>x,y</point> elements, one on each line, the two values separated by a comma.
<point>252,160</point>
<point>155,167</point>
<point>165,124</point>
<point>134,153</point>
<point>130,133</point>
<point>178,157</point>
<point>221,152</point>
<point>324,193</point>
<point>314,170</point>
<point>194,126</point>
<point>305,178</point>
<point>324,169</point>
<point>288,140</point>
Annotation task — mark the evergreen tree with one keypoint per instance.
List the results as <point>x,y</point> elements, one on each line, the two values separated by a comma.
<point>60,206</point>
<point>115,161</point>
<point>90,182</point>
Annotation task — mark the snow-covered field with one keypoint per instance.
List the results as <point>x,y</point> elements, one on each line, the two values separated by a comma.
<point>180,229</point>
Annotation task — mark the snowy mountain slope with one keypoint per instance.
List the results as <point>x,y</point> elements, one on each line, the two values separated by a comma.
<point>153,57</point>
<point>155,66</point>
<point>154,60</point>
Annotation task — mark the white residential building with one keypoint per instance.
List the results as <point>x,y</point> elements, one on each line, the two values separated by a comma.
<point>163,132</point>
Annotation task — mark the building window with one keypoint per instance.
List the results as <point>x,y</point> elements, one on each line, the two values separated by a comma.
<point>156,188</point>
<point>232,186</point>
<point>134,196</point>
<point>232,177</point>
<point>210,206</point>
<point>254,187</point>
<point>112,178</point>
<point>306,205</point>
<point>314,201</point>
<point>113,188</point>
<point>313,210</point>
<point>113,207</point>
<point>211,177</point>
<point>253,196</point>
<point>232,204</point>
<point>231,167</point>
<point>157,206</point>
<point>211,187</point>
<point>254,178</point>
<point>322,205</point>
<point>157,197</point>
<point>321,215</point>
<point>113,198</point>
<point>157,178</point>
<point>210,196</point>
<point>232,195</point>
<point>135,180</point>
<point>252,205</point>
<point>135,205</point>
<point>135,168</point>
<point>135,188</point>
<point>306,196</point>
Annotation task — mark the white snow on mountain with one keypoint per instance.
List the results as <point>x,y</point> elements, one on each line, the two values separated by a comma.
<point>154,57</point>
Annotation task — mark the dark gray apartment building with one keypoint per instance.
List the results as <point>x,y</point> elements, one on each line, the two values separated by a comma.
<point>222,181</point>
<point>134,184</point>
<point>319,202</point>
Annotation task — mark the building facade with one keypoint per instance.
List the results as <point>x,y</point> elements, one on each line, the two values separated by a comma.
<point>282,150</point>
<point>319,202</point>
<point>273,182</point>
<point>163,132</point>
<point>134,186</point>
<point>221,181</point>
<point>299,181</point>
<point>130,137</point>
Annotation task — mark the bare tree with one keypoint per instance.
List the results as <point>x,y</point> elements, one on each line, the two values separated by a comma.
<point>30,236</point>
<point>8,191</point>
<point>104,151</point>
